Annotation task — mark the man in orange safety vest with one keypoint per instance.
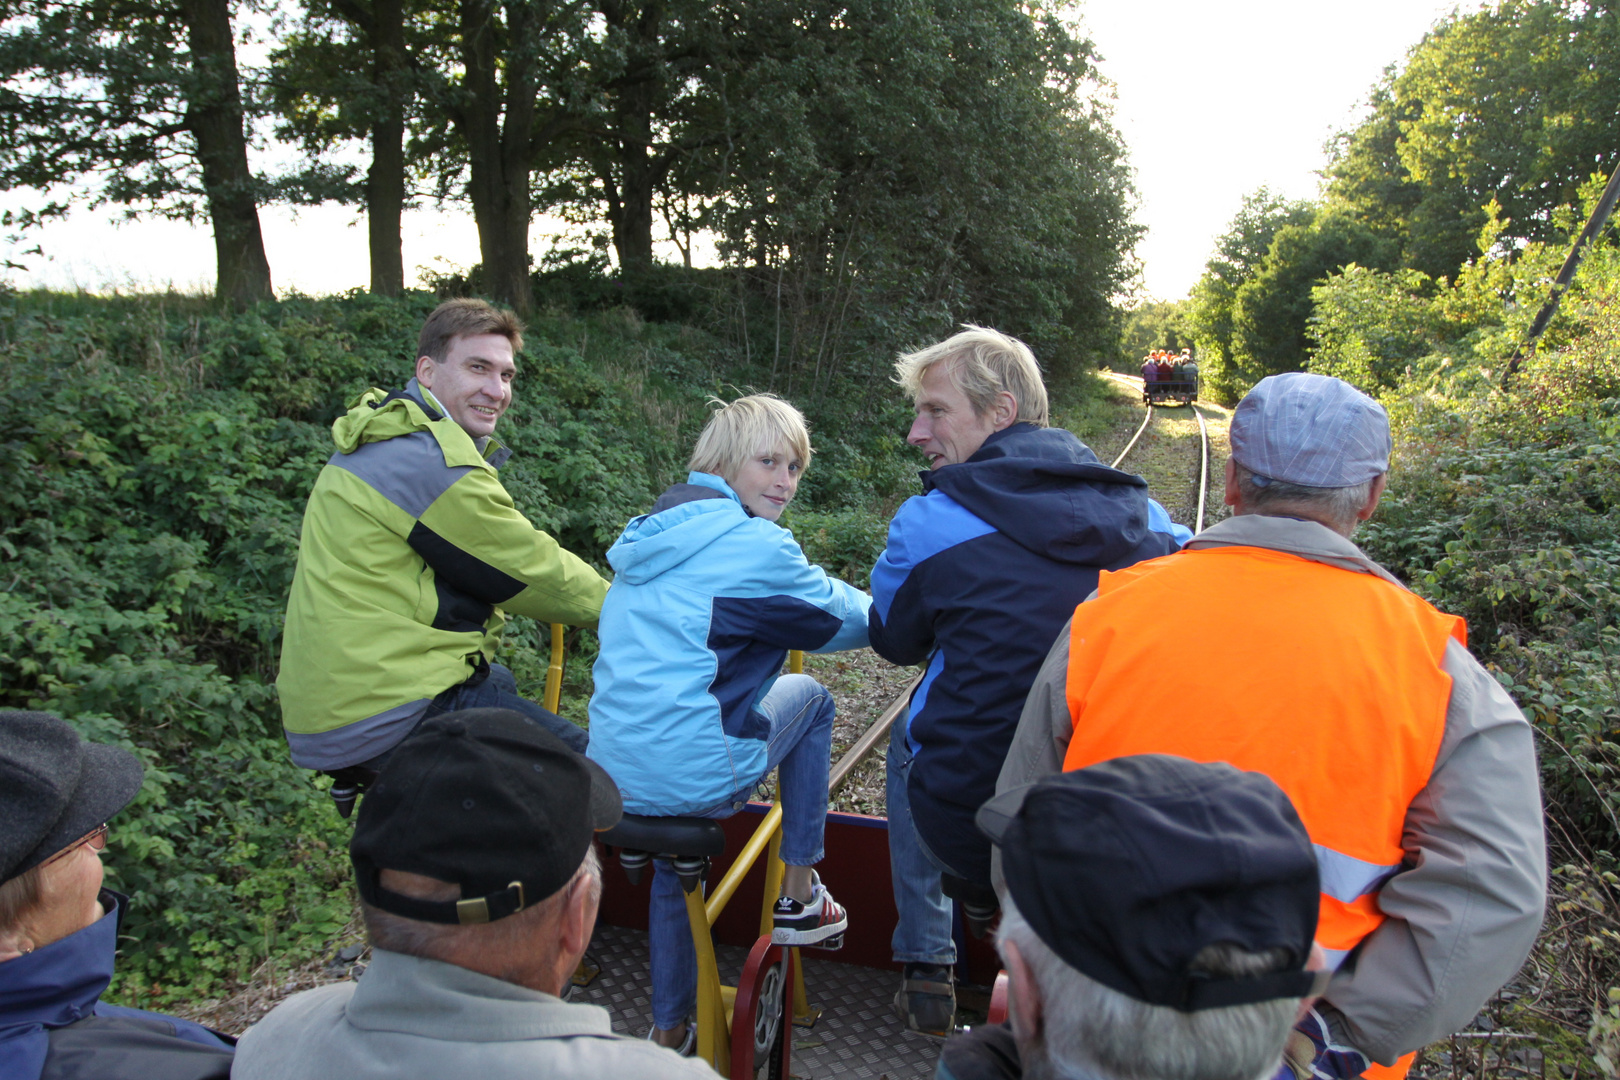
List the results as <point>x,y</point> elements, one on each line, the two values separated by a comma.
<point>1411,768</point>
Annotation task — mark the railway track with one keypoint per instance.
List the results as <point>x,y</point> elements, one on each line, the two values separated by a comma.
<point>1203,438</point>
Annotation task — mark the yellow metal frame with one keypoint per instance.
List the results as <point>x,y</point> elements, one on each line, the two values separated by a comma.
<point>716,1001</point>
<point>554,673</point>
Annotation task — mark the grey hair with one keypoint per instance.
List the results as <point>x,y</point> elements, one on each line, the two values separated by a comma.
<point>506,937</point>
<point>1334,507</point>
<point>1090,1030</point>
<point>985,363</point>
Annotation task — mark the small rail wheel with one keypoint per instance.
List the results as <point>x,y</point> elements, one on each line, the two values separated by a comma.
<point>761,1032</point>
<point>768,1012</point>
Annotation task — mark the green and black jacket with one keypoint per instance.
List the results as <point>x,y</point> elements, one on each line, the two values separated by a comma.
<point>412,555</point>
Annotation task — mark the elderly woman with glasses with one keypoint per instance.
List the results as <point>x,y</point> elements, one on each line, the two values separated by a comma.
<point>59,927</point>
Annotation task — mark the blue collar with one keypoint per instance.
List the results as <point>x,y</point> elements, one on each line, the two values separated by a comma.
<point>54,986</point>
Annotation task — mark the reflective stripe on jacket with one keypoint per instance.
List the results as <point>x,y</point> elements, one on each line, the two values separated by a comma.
<point>1344,712</point>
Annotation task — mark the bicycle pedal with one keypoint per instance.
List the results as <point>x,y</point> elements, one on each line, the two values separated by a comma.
<point>834,942</point>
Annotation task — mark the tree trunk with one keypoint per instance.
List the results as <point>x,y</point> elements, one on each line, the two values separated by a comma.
<point>638,170</point>
<point>499,160</point>
<point>385,181</point>
<point>214,118</point>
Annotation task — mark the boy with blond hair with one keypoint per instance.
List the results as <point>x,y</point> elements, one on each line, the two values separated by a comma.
<point>689,712</point>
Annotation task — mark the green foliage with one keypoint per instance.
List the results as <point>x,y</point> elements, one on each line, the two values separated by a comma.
<point>1239,255</point>
<point>903,168</point>
<point>1505,509</point>
<point>846,543</point>
<point>1153,324</point>
<point>1369,325</point>
<point>1271,310</point>
<point>1378,329</point>
<point>1516,104</point>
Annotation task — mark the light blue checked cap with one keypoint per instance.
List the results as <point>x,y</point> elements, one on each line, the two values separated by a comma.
<point>1311,430</point>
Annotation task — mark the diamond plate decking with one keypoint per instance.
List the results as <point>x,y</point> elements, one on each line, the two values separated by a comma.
<point>857,1035</point>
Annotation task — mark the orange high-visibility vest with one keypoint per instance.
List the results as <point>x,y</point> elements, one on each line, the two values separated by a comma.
<point>1327,680</point>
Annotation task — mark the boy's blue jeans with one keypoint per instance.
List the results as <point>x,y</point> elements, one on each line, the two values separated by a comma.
<point>800,711</point>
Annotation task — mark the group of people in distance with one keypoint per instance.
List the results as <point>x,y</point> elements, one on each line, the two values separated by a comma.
<point>1161,365</point>
<point>1329,856</point>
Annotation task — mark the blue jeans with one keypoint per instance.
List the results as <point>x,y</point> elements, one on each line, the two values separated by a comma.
<point>923,934</point>
<point>800,711</point>
<point>498,690</point>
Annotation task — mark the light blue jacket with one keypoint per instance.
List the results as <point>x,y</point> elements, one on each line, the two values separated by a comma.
<point>706,601</point>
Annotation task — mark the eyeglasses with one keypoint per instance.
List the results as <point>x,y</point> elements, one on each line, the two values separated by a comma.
<point>96,839</point>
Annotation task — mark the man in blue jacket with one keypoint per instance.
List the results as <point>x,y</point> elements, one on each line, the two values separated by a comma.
<point>1015,521</point>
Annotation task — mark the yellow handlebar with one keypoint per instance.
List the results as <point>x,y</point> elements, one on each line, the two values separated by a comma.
<point>554,673</point>
<point>796,662</point>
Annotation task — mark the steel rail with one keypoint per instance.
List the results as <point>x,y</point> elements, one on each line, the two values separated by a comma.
<point>1203,468</point>
<point>1145,422</point>
<point>1203,439</point>
<point>869,739</point>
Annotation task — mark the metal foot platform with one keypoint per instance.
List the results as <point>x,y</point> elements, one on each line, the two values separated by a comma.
<point>857,1036</point>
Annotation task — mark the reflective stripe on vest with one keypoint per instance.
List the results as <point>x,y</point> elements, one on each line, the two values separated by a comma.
<point>1325,679</point>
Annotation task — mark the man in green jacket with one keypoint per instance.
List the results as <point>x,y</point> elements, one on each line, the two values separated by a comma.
<point>413,554</point>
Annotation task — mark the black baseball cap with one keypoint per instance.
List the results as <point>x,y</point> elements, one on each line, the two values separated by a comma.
<point>1129,868</point>
<point>55,788</point>
<point>485,799</point>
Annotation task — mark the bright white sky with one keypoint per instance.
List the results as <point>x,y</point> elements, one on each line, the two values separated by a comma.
<point>1214,100</point>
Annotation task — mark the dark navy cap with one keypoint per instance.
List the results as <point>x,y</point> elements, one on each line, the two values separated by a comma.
<point>1311,430</point>
<point>487,800</point>
<point>1129,868</point>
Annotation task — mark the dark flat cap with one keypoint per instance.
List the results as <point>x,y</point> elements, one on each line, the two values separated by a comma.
<point>485,799</point>
<point>1130,868</point>
<point>55,788</point>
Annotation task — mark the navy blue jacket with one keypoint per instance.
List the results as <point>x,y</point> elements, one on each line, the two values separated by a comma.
<point>53,1022</point>
<point>980,574</point>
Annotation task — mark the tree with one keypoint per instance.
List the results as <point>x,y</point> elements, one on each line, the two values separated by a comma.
<point>1238,255</point>
<point>349,72</point>
<point>1367,326</point>
<point>1517,103</point>
<point>656,68</point>
<point>1271,311</point>
<point>1153,324</point>
<point>902,168</point>
<point>142,104</point>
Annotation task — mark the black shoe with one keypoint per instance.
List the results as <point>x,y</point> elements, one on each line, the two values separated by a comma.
<point>927,999</point>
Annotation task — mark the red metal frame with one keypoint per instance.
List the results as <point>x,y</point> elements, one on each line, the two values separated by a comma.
<point>761,959</point>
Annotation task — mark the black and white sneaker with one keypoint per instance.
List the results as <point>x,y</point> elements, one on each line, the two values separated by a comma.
<point>821,922</point>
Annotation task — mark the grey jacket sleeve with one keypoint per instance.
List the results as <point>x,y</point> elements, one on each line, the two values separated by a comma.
<point>1465,912</point>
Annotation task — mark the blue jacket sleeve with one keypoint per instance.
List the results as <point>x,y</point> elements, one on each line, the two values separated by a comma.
<point>808,609</point>
<point>1159,521</point>
<point>903,619</point>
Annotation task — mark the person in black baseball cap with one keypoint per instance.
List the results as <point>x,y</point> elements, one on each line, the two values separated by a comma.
<point>1158,917</point>
<point>479,884</point>
<point>59,927</point>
